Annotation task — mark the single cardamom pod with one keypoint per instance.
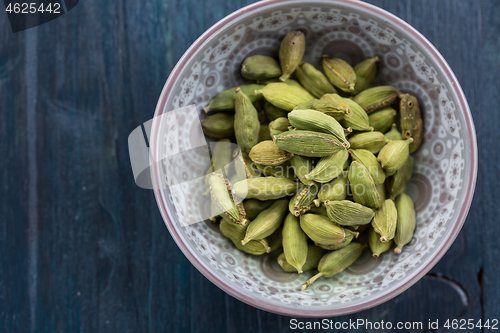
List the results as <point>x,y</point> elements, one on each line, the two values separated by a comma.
<point>376,98</point>
<point>394,154</point>
<point>222,155</point>
<point>267,222</point>
<point>397,183</point>
<point>283,95</point>
<point>383,119</point>
<point>246,123</point>
<point>311,120</point>
<point>314,254</point>
<point>265,188</point>
<point>337,246</point>
<point>385,220</point>
<point>411,121</point>
<point>328,167</point>
<point>223,199</point>
<point>268,153</point>
<point>340,73</point>
<point>275,240</point>
<point>272,112</point>
<point>381,193</point>
<point>225,100</point>
<point>308,143</point>
<point>348,213</point>
<point>370,162</point>
<point>236,233</point>
<point>356,119</point>
<point>322,230</point>
<point>302,166</point>
<point>284,170</point>
<point>294,243</point>
<point>406,222</point>
<point>378,247</point>
<point>334,190</point>
<point>319,211</point>
<point>278,126</point>
<point>365,74</point>
<point>329,107</point>
<point>260,67</point>
<point>393,134</point>
<point>371,141</point>
<point>314,81</point>
<point>291,51</point>
<point>363,187</point>
<point>253,207</point>
<point>264,133</point>
<point>303,200</point>
<point>219,125</point>
<point>336,261</point>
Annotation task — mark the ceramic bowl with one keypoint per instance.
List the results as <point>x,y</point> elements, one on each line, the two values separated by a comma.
<point>445,165</point>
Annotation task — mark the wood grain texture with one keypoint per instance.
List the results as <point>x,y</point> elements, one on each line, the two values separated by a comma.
<point>85,250</point>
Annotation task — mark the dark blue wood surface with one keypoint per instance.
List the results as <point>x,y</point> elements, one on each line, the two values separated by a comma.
<point>85,250</point>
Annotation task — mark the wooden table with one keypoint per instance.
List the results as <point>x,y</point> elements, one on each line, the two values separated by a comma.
<point>85,250</point>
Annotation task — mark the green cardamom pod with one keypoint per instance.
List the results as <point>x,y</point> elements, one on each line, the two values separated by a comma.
<point>284,96</point>
<point>314,254</point>
<point>308,143</point>
<point>272,112</point>
<point>222,154</point>
<point>322,230</point>
<point>336,261</point>
<point>225,100</point>
<point>260,67</point>
<point>334,190</point>
<point>365,74</point>
<point>396,184</point>
<point>236,233</point>
<point>371,141</point>
<point>267,222</point>
<point>219,125</point>
<point>406,222</point>
<point>246,123</point>
<point>348,213</point>
<point>319,211</point>
<point>328,167</point>
<point>278,126</point>
<point>291,52</point>
<point>393,134</point>
<point>394,154</point>
<point>376,98</point>
<point>381,193</point>
<point>223,199</point>
<point>268,153</point>
<point>363,187</point>
<point>253,207</point>
<point>294,243</point>
<point>303,200</point>
<point>340,73</point>
<point>411,121</point>
<point>370,162</point>
<point>284,170</point>
<point>264,133</point>
<point>302,166</point>
<point>337,246</point>
<point>385,220</point>
<point>311,120</point>
<point>275,240</point>
<point>383,119</point>
<point>356,119</point>
<point>314,81</point>
<point>329,107</point>
<point>378,247</point>
<point>265,188</point>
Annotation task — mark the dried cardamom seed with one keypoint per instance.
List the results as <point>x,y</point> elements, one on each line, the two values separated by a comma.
<point>303,200</point>
<point>365,74</point>
<point>314,81</point>
<point>283,95</point>
<point>329,107</point>
<point>378,247</point>
<point>406,222</point>
<point>385,220</point>
<point>396,184</point>
<point>411,121</point>
<point>223,199</point>
<point>371,141</point>
<point>311,120</point>
<point>356,119</point>
<point>246,123</point>
<point>328,167</point>
<point>225,100</point>
<point>348,213</point>
<point>314,254</point>
<point>322,230</point>
<point>370,162</point>
<point>394,154</point>
<point>337,246</point>
<point>236,233</point>
<point>267,222</point>
<point>376,98</point>
<point>340,73</point>
<point>291,51</point>
<point>308,143</point>
<point>260,67</point>
<point>383,119</point>
<point>265,188</point>
<point>294,243</point>
<point>363,187</point>
<point>268,153</point>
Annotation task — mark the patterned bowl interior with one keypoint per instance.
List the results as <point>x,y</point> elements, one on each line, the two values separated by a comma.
<point>339,29</point>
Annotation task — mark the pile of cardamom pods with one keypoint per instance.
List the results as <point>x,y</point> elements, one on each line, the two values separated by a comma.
<point>324,164</point>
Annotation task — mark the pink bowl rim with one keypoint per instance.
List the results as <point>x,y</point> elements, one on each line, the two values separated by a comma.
<point>304,311</point>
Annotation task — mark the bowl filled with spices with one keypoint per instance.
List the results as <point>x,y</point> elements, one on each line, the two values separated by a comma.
<point>313,159</point>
